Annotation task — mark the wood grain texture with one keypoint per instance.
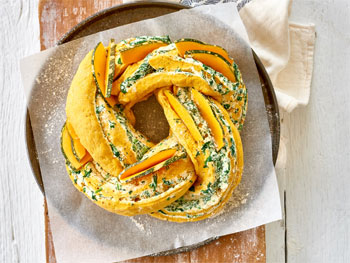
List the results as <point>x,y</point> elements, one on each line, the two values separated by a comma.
<point>56,18</point>
<point>318,167</point>
<point>22,236</point>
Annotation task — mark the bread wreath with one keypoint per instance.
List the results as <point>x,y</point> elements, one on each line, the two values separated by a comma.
<point>189,175</point>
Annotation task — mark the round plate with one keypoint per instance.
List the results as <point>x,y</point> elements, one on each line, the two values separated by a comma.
<point>128,13</point>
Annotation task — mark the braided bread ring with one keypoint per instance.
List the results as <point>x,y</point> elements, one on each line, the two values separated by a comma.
<point>189,175</point>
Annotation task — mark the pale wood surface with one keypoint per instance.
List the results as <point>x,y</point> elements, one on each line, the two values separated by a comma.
<point>56,18</point>
<point>318,167</point>
<point>22,231</point>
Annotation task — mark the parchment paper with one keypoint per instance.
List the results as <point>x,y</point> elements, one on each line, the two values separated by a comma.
<point>84,232</point>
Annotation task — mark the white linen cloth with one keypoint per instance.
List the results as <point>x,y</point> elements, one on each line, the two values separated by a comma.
<point>285,48</point>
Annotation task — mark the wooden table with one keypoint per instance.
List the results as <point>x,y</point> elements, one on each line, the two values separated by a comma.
<point>314,185</point>
<point>56,18</point>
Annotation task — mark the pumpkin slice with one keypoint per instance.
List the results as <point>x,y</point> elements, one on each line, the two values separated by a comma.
<point>141,47</point>
<point>213,60</point>
<point>148,163</point>
<point>152,169</point>
<point>137,53</point>
<point>184,115</point>
<point>98,62</point>
<point>66,147</point>
<point>208,115</point>
<point>71,131</point>
<point>78,149</point>
<point>153,81</point>
<point>110,69</point>
<point>185,44</point>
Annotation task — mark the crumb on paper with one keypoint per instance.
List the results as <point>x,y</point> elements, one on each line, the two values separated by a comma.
<point>141,225</point>
<point>138,224</point>
<point>236,200</point>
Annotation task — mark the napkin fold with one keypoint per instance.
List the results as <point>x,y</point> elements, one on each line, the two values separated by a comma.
<point>286,49</point>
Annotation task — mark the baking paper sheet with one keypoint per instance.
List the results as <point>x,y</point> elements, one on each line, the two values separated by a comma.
<point>84,232</point>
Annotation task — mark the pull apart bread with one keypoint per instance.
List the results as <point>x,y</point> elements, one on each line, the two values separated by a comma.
<point>189,175</point>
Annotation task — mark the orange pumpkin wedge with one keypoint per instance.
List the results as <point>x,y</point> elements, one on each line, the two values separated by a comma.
<point>146,164</point>
<point>127,73</point>
<point>98,62</point>
<point>213,60</point>
<point>109,69</point>
<point>78,149</point>
<point>71,131</point>
<point>185,44</point>
<point>66,147</point>
<point>184,116</point>
<point>137,53</point>
<point>209,117</point>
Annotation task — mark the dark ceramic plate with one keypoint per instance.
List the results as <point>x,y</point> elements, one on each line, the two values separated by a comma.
<point>128,13</point>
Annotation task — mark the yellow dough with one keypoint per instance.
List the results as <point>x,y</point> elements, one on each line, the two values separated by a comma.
<point>189,175</point>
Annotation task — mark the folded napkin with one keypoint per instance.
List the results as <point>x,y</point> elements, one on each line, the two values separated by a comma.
<point>286,49</point>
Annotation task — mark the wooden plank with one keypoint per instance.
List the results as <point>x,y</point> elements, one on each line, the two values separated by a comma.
<point>22,236</point>
<point>56,18</point>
